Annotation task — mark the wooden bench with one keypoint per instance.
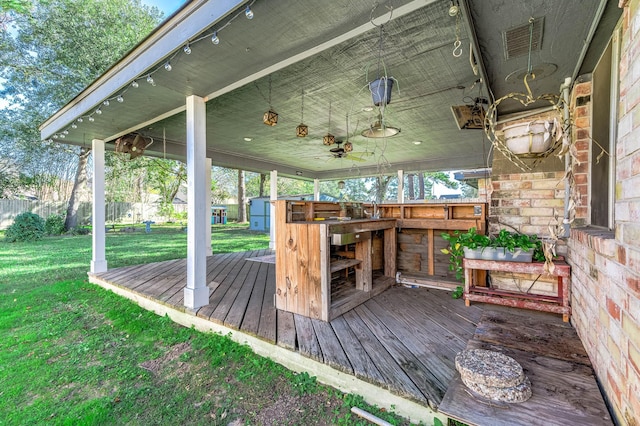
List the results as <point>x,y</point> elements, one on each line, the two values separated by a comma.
<point>558,304</point>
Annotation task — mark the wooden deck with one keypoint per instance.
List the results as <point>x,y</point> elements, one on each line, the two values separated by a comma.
<point>404,340</point>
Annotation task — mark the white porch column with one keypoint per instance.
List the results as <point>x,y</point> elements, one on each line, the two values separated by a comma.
<point>401,186</point>
<point>196,293</point>
<point>98,259</point>
<point>273,196</point>
<point>316,189</point>
<point>207,185</point>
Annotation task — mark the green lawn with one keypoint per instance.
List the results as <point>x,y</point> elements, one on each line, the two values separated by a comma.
<point>73,353</point>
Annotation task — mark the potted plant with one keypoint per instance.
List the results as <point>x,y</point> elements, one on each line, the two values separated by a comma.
<point>458,242</point>
<point>505,246</point>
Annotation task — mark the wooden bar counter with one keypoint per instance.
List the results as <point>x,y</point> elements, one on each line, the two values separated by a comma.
<point>304,265</point>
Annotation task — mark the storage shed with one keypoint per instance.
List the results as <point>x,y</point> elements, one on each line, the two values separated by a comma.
<point>259,211</point>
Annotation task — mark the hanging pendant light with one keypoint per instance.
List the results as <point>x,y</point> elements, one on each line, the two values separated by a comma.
<point>302,130</point>
<point>329,139</point>
<point>270,118</point>
<point>379,130</point>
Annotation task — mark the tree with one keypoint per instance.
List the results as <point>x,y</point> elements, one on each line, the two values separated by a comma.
<point>242,199</point>
<point>71,220</point>
<point>70,43</point>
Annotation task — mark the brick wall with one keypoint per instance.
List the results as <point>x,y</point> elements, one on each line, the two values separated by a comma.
<point>528,203</point>
<point>606,265</point>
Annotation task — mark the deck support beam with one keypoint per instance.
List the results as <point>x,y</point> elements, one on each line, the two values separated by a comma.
<point>316,189</point>
<point>98,234</point>
<point>400,186</point>
<point>196,293</point>
<point>207,186</point>
<point>273,197</point>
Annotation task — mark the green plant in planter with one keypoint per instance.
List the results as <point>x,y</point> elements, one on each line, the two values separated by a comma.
<point>457,242</point>
<point>509,241</point>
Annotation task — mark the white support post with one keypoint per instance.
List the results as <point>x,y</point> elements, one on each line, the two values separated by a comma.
<point>316,189</point>
<point>98,260</point>
<point>196,293</point>
<point>273,197</point>
<point>207,183</point>
<point>400,186</point>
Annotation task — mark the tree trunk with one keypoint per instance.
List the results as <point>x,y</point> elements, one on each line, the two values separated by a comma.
<point>382,183</point>
<point>263,178</point>
<point>410,188</point>
<point>80,182</point>
<point>242,205</point>
<point>421,185</point>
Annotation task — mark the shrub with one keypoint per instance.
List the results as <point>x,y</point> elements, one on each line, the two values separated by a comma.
<point>54,225</point>
<point>25,227</point>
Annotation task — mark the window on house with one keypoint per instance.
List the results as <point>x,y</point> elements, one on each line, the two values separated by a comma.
<point>603,132</point>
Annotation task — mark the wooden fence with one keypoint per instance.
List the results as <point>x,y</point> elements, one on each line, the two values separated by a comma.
<point>115,212</point>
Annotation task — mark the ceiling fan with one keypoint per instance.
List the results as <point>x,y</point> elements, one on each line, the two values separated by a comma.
<point>346,151</point>
<point>133,144</point>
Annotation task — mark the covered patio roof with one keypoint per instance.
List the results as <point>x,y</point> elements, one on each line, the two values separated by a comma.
<point>330,50</point>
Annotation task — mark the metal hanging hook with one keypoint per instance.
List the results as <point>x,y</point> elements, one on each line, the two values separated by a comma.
<point>457,49</point>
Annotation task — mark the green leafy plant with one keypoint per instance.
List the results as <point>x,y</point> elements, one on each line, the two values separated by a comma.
<point>54,224</point>
<point>25,227</point>
<point>457,293</point>
<point>508,241</point>
<point>457,242</point>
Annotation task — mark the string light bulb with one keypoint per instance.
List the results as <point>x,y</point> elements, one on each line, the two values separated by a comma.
<point>187,49</point>
<point>74,126</point>
<point>79,120</point>
<point>106,102</point>
<point>62,136</point>
<point>120,99</point>
<point>91,119</point>
<point>168,66</point>
<point>214,38</point>
<point>98,111</point>
<point>248,12</point>
<point>134,84</point>
<point>56,136</point>
<point>150,80</point>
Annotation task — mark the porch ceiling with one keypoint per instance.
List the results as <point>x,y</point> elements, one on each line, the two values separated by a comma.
<point>330,52</point>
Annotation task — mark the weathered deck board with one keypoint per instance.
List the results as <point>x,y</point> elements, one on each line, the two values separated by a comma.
<point>523,331</point>
<point>363,366</point>
<point>286,330</point>
<point>563,393</point>
<point>267,326</point>
<point>428,384</point>
<point>403,339</point>
<point>332,350</point>
<point>251,318</point>
<point>307,340</point>
<point>393,375</point>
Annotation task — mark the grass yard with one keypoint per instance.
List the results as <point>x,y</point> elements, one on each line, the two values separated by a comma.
<point>73,353</point>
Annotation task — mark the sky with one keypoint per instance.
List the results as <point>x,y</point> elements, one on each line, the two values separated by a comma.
<point>167,6</point>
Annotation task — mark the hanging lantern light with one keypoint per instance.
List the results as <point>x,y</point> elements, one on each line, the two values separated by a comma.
<point>270,117</point>
<point>302,130</point>
<point>348,146</point>
<point>329,139</point>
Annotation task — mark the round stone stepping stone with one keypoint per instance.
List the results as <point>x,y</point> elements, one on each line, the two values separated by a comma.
<point>514,394</point>
<point>489,368</point>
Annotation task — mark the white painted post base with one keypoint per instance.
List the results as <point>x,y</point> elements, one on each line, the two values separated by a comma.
<point>195,298</point>
<point>98,266</point>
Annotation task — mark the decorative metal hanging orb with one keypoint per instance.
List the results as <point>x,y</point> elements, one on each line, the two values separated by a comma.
<point>270,118</point>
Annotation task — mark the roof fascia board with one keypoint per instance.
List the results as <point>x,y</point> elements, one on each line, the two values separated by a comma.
<point>194,18</point>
